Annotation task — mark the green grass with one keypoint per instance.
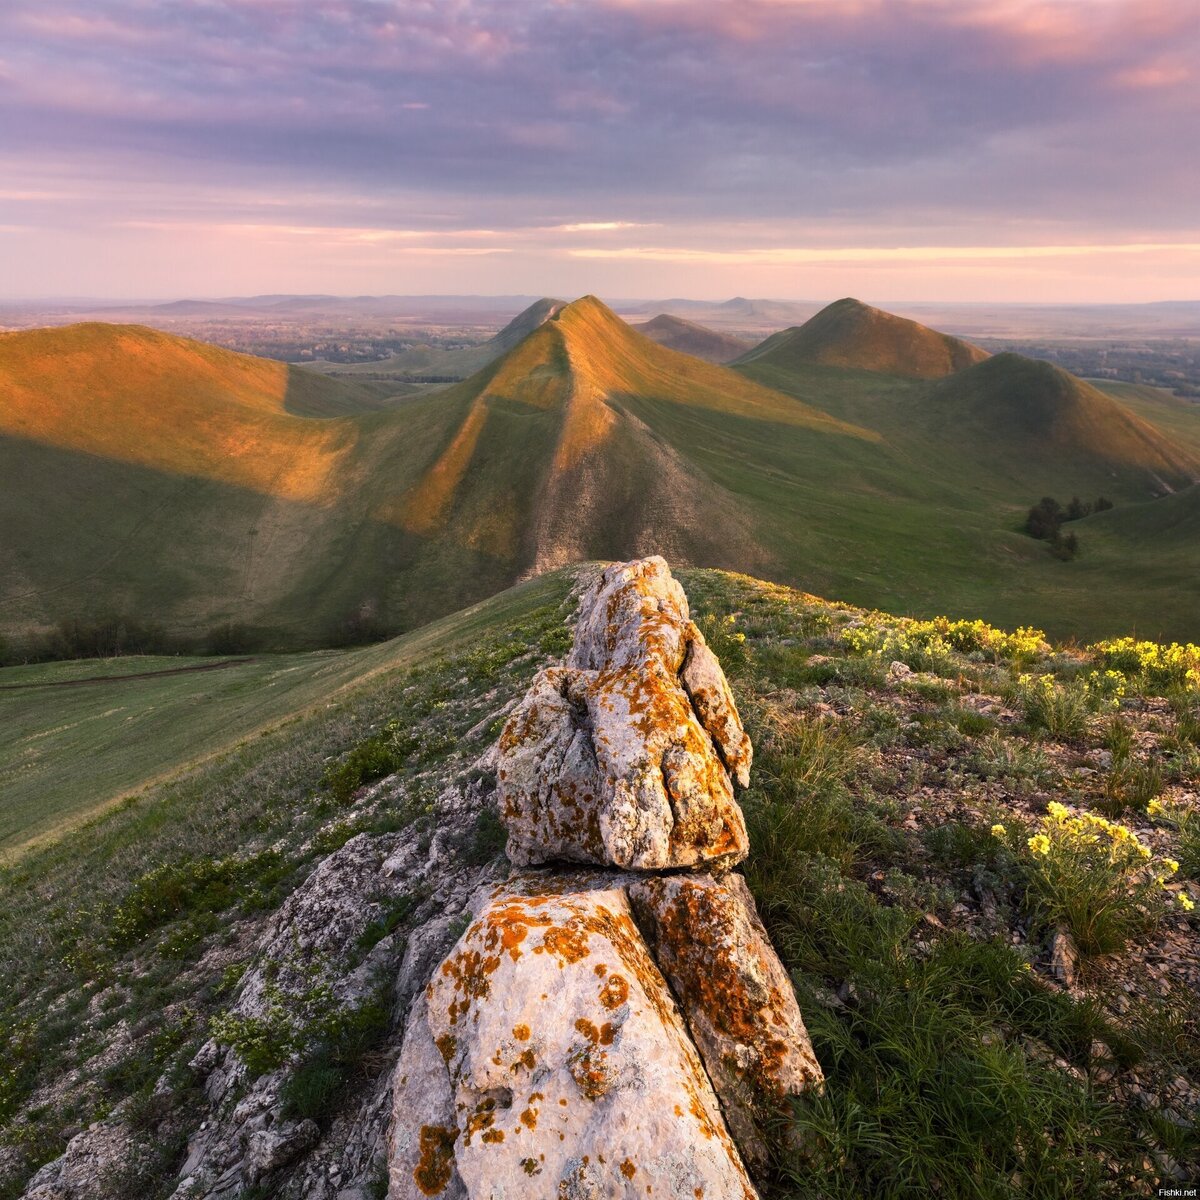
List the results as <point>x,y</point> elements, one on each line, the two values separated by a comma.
<point>953,1067</point>
<point>68,752</point>
<point>902,494</point>
<point>128,904</point>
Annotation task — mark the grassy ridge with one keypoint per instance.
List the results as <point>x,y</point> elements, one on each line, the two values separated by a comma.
<point>209,501</point>
<point>956,1066</point>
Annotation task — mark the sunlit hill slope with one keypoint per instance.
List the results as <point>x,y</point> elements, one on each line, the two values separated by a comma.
<point>159,477</point>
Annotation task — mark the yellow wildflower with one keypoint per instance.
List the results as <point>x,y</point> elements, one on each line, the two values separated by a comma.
<point>1039,844</point>
<point>998,830</point>
<point>1154,808</point>
<point>1171,865</point>
<point>1186,902</point>
<point>1056,810</point>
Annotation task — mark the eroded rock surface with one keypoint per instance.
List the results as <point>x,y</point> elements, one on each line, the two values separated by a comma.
<point>571,1070</point>
<point>624,756</point>
<point>738,1001</point>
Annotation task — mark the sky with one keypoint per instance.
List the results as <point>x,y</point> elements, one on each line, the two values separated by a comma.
<point>989,150</point>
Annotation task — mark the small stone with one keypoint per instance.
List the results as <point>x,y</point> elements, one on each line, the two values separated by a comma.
<point>898,670</point>
<point>1064,957</point>
<point>269,1149</point>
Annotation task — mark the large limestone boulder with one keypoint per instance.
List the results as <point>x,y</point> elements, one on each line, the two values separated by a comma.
<point>707,939</point>
<point>424,1127</point>
<point>571,1071</point>
<point>624,756</point>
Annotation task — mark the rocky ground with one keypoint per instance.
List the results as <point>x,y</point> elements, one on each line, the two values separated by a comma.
<point>230,1027</point>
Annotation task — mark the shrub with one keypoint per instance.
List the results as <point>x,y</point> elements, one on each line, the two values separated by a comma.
<point>394,915</point>
<point>725,640</point>
<point>1062,709</point>
<point>193,886</point>
<point>800,803</point>
<point>109,636</point>
<point>1118,738</point>
<point>1157,666</point>
<point>488,838</point>
<point>289,1023</point>
<point>373,758</point>
<point>930,645</point>
<point>342,1044</point>
<point>1132,784</point>
<point>233,638</point>
<point>1187,821</point>
<point>998,757</point>
<point>1044,519</point>
<point>1092,876</point>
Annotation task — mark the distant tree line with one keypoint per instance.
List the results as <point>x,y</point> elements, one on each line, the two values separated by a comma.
<point>1047,517</point>
<point>118,635</point>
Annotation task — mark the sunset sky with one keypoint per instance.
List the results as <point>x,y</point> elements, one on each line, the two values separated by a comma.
<point>892,149</point>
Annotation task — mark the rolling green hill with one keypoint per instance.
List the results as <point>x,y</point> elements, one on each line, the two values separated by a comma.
<point>168,480</point>
<point>851,334</point>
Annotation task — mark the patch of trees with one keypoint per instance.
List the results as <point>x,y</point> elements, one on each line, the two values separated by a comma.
<point>106,637</point>
<point>1047,517</point>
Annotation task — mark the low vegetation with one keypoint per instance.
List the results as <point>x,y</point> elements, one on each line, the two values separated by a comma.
<point>932,802</point>
<point>121,945</point>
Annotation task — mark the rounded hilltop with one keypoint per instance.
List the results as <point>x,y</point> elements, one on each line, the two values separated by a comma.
<point>849,333</point>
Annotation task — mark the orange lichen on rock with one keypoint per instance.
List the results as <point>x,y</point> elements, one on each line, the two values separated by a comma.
<point>736,996</point>
<point>437,1155</point>
<point>561,1074</point>
<point>624,756</point>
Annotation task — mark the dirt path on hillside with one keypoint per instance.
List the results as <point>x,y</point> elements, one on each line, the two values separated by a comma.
<point>92,679</point>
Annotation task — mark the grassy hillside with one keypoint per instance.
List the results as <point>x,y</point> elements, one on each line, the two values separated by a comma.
<point>930,516</point>
<point>207,501</point>
<point>851,334</point>
<point>690,338</point>
<point>544,462</point>
<point>78,736</point>
<point>889,818</point>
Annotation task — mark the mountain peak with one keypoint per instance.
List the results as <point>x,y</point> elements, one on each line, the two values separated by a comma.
<point>689,338</point>
<point>851,334</point>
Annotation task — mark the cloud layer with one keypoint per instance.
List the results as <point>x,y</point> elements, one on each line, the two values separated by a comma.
<point>574,131</point>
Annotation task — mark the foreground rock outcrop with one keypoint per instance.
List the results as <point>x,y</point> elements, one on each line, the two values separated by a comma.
<point>624,757</point>
<point>569,1068</point>
<point>738,1001</point>
<point>620,1032</point>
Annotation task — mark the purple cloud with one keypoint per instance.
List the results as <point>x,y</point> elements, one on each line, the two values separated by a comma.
<point>1059,115</point>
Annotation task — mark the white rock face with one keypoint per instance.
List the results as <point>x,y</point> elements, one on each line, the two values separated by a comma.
<point>423,1128</point>
<point>571,1070</point>
<point>738,1001</point>
<point>623,757</point>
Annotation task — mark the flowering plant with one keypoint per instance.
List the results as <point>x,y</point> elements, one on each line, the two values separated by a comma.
<point>1094,876</point>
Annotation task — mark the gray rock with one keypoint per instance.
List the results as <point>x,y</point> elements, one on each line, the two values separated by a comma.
<point>612,760</point>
